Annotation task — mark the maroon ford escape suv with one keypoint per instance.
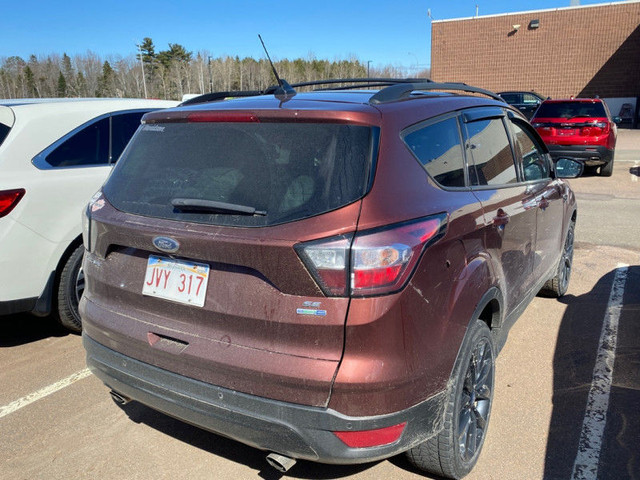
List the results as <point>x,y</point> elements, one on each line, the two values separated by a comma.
<point>325,275</point>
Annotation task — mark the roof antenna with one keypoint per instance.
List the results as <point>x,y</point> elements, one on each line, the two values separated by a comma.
<point>283,87</point>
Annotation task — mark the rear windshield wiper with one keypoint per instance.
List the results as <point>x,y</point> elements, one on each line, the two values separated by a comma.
<point>211,206</point>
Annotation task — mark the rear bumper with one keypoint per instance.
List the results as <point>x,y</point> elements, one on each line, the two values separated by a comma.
<point>590,155</point>
<point>290,429</point>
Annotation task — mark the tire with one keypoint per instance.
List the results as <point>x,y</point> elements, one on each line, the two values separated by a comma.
<point>453,455</point>
<point>607,170</point>
<point>70,289</point>
<point>557,285</point>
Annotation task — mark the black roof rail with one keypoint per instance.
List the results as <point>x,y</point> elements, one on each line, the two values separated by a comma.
<point>404,90</point>
<point>396,89</point>
<point>360,82</point>
<point>355,83</point>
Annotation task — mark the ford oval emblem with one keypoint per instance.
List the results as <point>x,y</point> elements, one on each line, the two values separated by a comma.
<point>166,244</point>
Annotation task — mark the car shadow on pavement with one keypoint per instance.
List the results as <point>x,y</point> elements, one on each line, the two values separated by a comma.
<point>574,361</point>
<point>591,172</point>
<point>235,451</point>
<point>24,328</point>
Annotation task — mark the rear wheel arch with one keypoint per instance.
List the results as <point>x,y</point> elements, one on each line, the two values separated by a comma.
<point>451,453</point>
<point>490,308</point>
<point>65,306</point>
<point>64,258</point>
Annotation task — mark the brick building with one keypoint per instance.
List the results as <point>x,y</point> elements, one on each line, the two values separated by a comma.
<point>580,51</point>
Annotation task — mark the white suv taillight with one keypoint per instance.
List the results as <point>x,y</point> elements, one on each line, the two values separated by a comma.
<point>373,262</point>
<point>9,199</point>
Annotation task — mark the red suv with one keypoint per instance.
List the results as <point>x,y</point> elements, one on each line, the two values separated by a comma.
<point>579,128</point>
<point>326,275</point>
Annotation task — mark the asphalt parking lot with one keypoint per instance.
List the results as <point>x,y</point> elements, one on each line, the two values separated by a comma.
<point>565,405</point>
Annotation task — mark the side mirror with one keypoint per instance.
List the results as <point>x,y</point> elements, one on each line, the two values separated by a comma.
<point>568,168</point>
<point>617,120</point>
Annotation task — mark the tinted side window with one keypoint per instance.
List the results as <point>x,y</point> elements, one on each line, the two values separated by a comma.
<point>491,152</point>
<point>530,99</point>
<point>122,129</point>
<point>534,161</point>
<point>511,97</point>
<point>89,146</point>
<point>439,150</point>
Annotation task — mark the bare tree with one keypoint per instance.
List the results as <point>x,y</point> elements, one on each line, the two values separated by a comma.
<point>169,73</point>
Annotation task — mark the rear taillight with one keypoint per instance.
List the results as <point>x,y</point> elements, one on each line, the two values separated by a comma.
<point>328,262</point>
<point>9,199</point>
<point>596,129</point>
<point>88,228</point>
<point>373,262</point>
<point>542,128</point>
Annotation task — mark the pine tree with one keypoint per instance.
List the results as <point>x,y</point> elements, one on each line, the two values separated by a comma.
<point>81,85</point>
<point>62,86</point>
<point>69,75</point>
<point>176,54</point>
<point>148,51</point>
<point>106,82</point>
<point>30,81</point>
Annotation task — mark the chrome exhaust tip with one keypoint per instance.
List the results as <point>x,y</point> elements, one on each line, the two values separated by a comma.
<point>118,398</point>
<point>280,462</point>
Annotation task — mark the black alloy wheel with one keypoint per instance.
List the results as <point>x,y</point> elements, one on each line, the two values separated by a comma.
<point>475,401</point>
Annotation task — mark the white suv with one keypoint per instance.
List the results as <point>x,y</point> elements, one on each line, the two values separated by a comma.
<point>54,154</point>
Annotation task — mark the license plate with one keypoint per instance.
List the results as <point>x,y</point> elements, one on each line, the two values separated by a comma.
<point>177,280</point>
<point>567,131</point>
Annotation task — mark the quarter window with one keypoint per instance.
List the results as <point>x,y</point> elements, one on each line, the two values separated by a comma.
<point>4,131</point>
<point>439,150</point>
<point>491,153</point>
<point>89,146</point>
<point>98,143</point>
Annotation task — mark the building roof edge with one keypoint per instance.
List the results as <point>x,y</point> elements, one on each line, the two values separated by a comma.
<point>537,11</point>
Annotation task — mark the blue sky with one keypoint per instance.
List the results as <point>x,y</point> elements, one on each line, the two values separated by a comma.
<point>387,32</point>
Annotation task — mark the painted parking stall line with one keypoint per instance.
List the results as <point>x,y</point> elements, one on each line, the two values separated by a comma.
<point>595,420</point>
<point>43,392</point>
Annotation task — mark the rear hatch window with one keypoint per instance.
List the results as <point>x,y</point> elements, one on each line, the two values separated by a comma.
<point>571,110</point>
<point>242,174</point>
